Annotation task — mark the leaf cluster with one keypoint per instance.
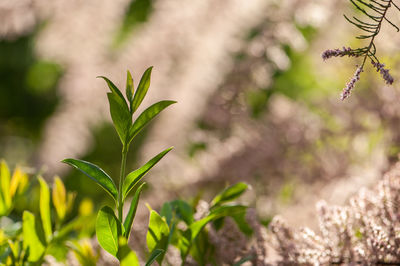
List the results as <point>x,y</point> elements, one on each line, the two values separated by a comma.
<point>113,232</point>
<point>49,232</point>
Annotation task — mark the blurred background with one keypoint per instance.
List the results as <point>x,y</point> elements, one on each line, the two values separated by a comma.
<point>256,102</point>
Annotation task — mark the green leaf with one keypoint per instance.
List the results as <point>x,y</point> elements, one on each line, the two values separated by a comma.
<point>59,196</point>
<point>132,211</point>
<point>230,193</point>
<point>145,117</point>
<point>5,186</point>
<point>222,211</point>
<point>142,88</point>
<point>157,234</point>
<point>44,203</point>
<point>241,222</point>
<point>177,209</point>
<point>129,88</point>
<point>153,256</point>
<point>134,177</point>
<point>108,230</point>
<point>95,173</point>
<point>115,91</point>
<point>32,242</point>
<point>127,256</point>
<point>121,117</point>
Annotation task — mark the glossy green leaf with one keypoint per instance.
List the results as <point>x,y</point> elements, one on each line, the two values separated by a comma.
<point>121,117</point>
<point>142,89</point>
<point>153,256</point>
<point>115,91</point>
<point>44,203</point>
<point>157,234</point>
<point>108,230</point>
<point>31,239</point>
<point>129,87</point>
<point>230,193</point>
<point>95,173</point>
<point>134,177</point>
<point>145,117</point>
<point>132,211</point>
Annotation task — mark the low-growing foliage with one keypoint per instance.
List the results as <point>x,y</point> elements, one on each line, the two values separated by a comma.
<point>50,232</point>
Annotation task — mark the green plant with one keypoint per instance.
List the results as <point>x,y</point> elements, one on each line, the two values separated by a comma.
<point>193,238</point>
<point>27,239</point>
<point>113,231</point>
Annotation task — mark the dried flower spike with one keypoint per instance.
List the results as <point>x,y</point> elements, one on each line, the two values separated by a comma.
<point>376,11</point>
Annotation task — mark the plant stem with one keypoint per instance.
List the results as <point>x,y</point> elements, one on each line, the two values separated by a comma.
<point>121,181</point>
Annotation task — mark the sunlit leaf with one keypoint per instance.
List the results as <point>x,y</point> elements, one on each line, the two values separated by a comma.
<point>95,173</point>
<point>157,234</point>
<point>31,239</point>
<point>121,117</point>
<point>108,230</point>
<point>59,198</point>
<point>141,90</point>
<point>134,177</point>
<point>230,193</point>
<point>145,117</point>
<point>132,211</point>
<point>83,252</point>
<point>126,256</point>
<point>18,181</point>
<point>44,203</point>
<point>5,184</point>
<point>153,256</point>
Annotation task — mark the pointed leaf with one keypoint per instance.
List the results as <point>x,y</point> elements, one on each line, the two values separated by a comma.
<point>230,193</point>
<point>31,240</point>
<point>134,177</point>
<point>222,211</point>
<point>18,180</point>
<point>59,198</point>
<point>5,184</point>
<point>145,117</point>
<point>108,230</point>
<point>44,203</point>
<point>132,211</point>
<point>153,256</point>
<point>157,234</point>
<point>115,90</point>
<point>141,90</point>
<point>121,117</point>
<point>95,173</point>
<point>129,87</point>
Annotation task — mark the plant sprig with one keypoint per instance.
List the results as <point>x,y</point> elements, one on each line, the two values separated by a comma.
<point>375,12</point>
<point>113,231</point>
